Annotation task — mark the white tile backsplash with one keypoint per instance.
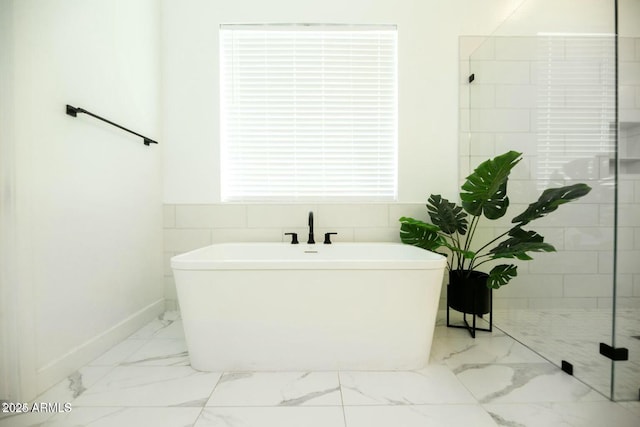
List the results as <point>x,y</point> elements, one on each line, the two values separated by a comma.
<point>563,303</point>
<point>169,216</point>
<point>630,73</point>
<point>500,120</point>
<point>464,74</point>
<point>532,286</point>
<point>344,234</point>
<point>515,96</point>
<point>629,215</point>
<point>565,262</point>
<point>521,142</point>
<point>636,285</point>
<point>284,215</point>
<point>463,124</point>
<point>229,235</point>
<point>183,240</point>
<point>413,210</point>
<point>501,72</point>
<point>516,48</point>
<point>624,285</point>
<point>628,262</point>
<point>627,97</point>
<point>211,216</point>
<point>588,285</point>
<point>572,214</point>
<point>552,235</point>
<point>482,144</point>
<point>509,303</point>
<point>352,215</point>
<point>626,49</point>
<point>588,238</point>
<point>482,95</point>
<point>377,234</point>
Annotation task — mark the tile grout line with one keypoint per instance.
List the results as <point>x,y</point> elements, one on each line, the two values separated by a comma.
<point>344,414</point>
<point>204,406</point>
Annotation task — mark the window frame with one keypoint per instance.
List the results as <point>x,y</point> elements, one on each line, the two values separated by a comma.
<point>337,191</point>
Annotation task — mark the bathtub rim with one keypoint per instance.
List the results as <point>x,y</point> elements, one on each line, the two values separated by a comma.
<point>424,259</point>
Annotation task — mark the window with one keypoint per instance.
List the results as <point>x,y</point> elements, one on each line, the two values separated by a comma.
<point>308,112</point>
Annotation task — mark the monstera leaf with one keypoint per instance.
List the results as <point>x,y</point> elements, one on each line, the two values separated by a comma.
<point>484,194</point>
<point>485,191</point>
<point>549,201</point>
<point>519,243</point>
<point>421,234</point>
<point>500,275</point>
<point>447,215</point>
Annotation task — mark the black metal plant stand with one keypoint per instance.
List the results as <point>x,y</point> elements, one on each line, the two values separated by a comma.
<point>473,328</point>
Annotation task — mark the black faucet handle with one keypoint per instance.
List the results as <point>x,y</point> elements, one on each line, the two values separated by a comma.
<point>327,238</point>
<point>294,237</point>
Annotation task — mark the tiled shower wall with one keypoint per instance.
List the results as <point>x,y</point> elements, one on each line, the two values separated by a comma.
<point>189,227</point>
<point>498,112</point>
<point>629,172</point>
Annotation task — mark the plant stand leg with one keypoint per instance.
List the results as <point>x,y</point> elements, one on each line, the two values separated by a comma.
<point>491,311</point>
<point>473,327</point>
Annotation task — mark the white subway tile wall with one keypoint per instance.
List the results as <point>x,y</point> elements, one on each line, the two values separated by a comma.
<point>499,112</point>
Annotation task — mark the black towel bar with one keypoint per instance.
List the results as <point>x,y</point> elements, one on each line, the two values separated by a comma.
<point>73,111</point>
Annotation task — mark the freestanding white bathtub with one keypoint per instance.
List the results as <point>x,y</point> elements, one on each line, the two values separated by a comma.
<point>277,306</point>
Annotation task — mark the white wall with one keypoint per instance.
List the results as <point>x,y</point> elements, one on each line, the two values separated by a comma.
<point>8,353</point>
<point>428,112</point>
<point>88,196</point>
<point>561,16</point>
<point>572,16</point>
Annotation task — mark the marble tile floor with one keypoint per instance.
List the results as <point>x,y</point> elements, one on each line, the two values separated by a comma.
<point>575,335</point>
<point>491,381</point>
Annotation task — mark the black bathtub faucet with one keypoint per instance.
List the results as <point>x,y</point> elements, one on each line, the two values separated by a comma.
<point>311,239</point>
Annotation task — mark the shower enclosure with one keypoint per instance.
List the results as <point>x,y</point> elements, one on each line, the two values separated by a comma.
<point>559,81</point>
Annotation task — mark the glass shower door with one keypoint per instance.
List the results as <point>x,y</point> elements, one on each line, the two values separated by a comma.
<point>552,97</point>
<point>626,373</point>
<point>546,84</point>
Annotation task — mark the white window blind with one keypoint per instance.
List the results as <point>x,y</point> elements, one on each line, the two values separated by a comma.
<point>576,105</point>
<point>308,112</point>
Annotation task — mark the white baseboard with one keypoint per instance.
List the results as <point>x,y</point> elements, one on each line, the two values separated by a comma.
<point>60,368</point>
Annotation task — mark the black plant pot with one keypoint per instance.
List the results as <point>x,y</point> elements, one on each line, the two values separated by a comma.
<point>467,292</point>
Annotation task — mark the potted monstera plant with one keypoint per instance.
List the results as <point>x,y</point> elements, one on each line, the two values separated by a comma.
<point>454,227</point>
